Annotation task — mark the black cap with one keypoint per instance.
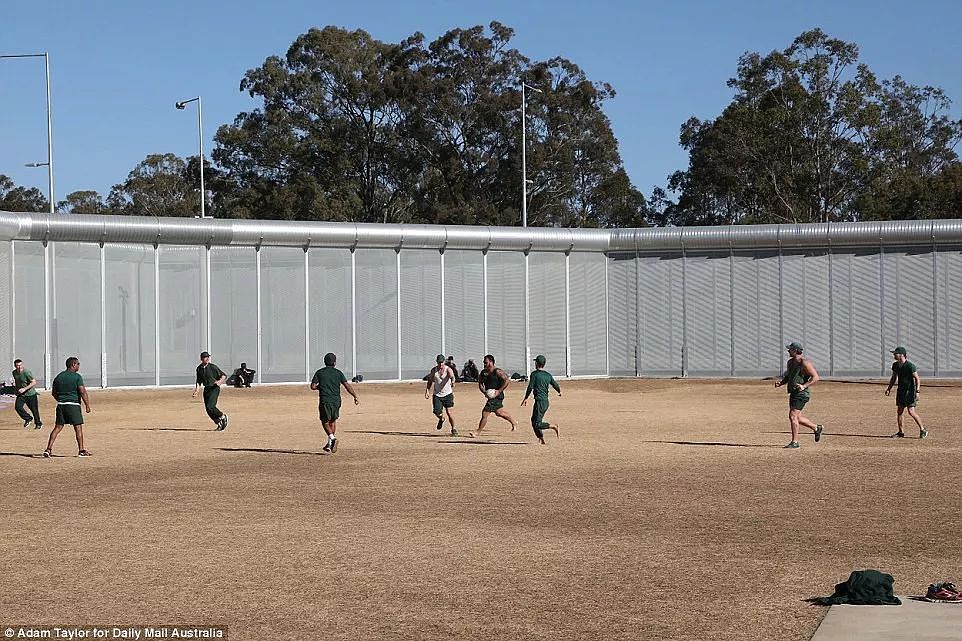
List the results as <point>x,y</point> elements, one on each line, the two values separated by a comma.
<point>205,354</point>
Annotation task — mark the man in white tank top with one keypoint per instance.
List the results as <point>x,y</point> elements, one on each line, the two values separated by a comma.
<point>443,380</point>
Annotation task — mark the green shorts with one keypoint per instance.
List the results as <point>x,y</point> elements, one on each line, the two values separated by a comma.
<point>69,415</point>
<point>329,411</point>
<point>441,402</point>
<point>494,404</point>
<point>798,401</point>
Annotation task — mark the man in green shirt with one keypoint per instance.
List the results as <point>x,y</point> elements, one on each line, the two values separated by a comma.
<point>328,381</point>
<point>906,374</point>
<point>800,374</point>
<point>26,386</point>
<point>210,377</point>
<point>492,383</point>
<point>68,390</point>
<point>538,383</point>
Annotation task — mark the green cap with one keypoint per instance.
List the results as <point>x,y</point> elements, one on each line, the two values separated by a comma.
<point>795,347</point>
<point>899,350</point>
<point>540,360</point>
<point>439,358</point>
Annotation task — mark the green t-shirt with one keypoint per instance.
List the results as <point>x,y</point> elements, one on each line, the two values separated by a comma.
<point>66,387</point>
<point>208,375</point>
<point>22,379</point>
<point>795,376</point>
<point>328,381</point>
<point>538,383</point>
<point>906,381</point>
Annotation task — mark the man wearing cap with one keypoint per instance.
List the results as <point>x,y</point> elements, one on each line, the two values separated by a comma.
<point>443,378</point>
<point>538,383</point>
<point>210,377</point>
<point>26,387</point>
<point>799,375</point>
<point>906,374</point>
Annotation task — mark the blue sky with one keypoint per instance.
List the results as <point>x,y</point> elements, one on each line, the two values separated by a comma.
<point>118,67</point>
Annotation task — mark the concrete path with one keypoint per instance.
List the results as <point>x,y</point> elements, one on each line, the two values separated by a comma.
<point>911,621</point>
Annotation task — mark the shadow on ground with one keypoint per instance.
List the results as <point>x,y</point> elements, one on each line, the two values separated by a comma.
<point>268,450</point>
<point>716,443</point>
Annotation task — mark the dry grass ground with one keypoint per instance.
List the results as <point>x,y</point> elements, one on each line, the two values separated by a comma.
<point>667,510</point>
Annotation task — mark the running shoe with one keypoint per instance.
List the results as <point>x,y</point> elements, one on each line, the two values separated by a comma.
<point>440,423</point>
<point>26,424</point>
<point>47,453</point>
<point>923,433</point>
<point>454,432</point>
<point>84,453</point>
<point>818,432</point>
<point>899,435</point>
<point>333,445</point>
<point>792,446</point>
<point>327,447</point>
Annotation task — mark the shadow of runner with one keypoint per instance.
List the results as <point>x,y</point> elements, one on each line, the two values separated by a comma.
<point>169,429</point>
<point>21,454</point>
<point>836,435</point>
<point>387,433</point>
<point>716,443</point>
<point>471,441</point>
<point>268,450</point>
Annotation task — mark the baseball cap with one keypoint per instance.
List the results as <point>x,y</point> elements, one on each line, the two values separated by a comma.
<point>439,358</point>
<point>205,354</point>
<point>899,350</point>
<point>794,346</point>
<point>540,360</point>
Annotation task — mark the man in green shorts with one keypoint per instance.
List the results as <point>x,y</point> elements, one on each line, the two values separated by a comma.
<point>211,377</point>
<point>538,383</point>
<point>68,390</point>
<point>26,386</point>
<point>327,381</point>
<point>799,375</point>
<point>443,379</point>
<point>906,374</point>
<point>492,383</point>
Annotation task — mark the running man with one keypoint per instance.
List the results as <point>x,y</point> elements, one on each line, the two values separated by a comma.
<point>538,383</point>
<point>210,377</point>
<point>799,375</point>
<point>26,386</point>
<point>492,383</point>
<point>327,381</point>
<point>443,379</point>
<point>906,374</point>
<point>68,390</point>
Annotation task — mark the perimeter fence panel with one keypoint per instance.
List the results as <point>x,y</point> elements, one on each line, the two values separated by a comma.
<point>660,315</point>
<point>546,305</point>
<point>505,319</point>
<point>709,309</point>
<point>233,307</point>
<point>464,306</point>
<point>330,295</point>
<point>856,312</point>
<point>758,342</point>
<point>377,308</point>
<point>30,314</point>
<point>75,308</point>
<point>131,331</point>
<point>421,314</point>
<point>590,314</point>
<point>908,306</point>
<point>282,314</point>
<point>622,320</point>
<point>182,310</point>
<point>805,301</point>
<point>948,279</point>
<point>7,329</point>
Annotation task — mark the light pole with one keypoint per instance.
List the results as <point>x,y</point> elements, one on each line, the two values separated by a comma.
<point>524,160</point>
<point>49,163</point>
<point>200,144</point>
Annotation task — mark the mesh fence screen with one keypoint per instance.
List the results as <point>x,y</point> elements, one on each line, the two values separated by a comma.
<point>282,314</point>
<point>130,315</point>
<point>505,319</point>
<point>233,307</point>
<point>330,284</point>
<point>464,306</point>
<point>377,306</point>
<point>420,305</point>
<point>182,309</point>
<point>29,310</point>
<point>589,314</point>
<point>546,305</point>
<point>75,308</point>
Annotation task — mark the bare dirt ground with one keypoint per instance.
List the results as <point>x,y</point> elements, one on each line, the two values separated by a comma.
<point>667,510</point>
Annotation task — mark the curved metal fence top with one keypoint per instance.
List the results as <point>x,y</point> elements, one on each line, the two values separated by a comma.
<point>254,233</point>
